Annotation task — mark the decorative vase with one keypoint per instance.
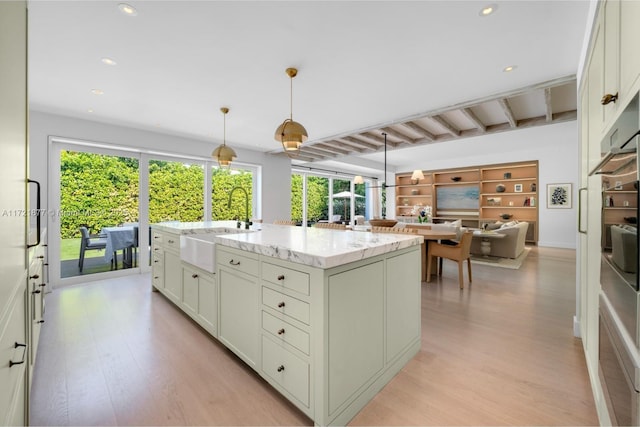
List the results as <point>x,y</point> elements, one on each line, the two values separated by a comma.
<point>405,202</point>
<point>533,187</point>
<point>415,192</point>
<point>500,188</point>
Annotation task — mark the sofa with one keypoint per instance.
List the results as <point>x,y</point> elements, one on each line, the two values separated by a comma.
<point>510,246</point>
<point>624,250</point>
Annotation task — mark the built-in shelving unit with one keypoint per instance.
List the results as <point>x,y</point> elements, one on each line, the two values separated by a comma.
<point>504,192</point>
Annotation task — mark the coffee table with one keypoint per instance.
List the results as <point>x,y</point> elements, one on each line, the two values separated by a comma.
<point>486,238</point>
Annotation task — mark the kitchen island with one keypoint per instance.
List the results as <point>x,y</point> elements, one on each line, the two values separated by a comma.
<point>327,317</point>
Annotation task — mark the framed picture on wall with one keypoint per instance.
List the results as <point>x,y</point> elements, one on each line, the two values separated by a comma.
<point>558,196</point>
<point>517,188</point>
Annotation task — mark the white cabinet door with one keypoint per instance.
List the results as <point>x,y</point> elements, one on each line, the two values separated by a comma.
<point>629,46</point>
<point>596,84</point>
<point>611,59</point>
<point>173,276</point>
<point>207,303</point>
<point>239,327</point>
<point>190,280</point>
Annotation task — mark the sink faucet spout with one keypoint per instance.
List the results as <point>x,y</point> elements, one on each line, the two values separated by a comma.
<point>246,206</point>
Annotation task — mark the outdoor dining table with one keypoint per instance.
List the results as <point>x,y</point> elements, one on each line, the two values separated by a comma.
<point>119,238</point>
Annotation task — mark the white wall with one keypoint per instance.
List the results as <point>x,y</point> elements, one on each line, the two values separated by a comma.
<point>276,170</point>
<point>554,146</point>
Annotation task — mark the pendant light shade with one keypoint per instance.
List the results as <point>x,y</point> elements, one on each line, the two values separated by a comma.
<point>291,134</point>
<point>223,154</point>
<point>358,179</point>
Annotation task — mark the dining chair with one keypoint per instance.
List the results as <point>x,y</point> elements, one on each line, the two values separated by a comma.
<point>88,243</point>
<point>458,253</point>
<point>284,222</point>
<point>330,225</point>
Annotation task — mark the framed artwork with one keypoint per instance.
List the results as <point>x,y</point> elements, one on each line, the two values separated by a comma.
<point>517,188</point>
<point>558,196</point>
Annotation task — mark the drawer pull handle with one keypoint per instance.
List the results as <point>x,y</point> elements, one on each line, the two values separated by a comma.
<point>16,345</point>
<point>41,256</point>
<point>155,237</point>
<point>195,276</point>
<point>170,241</point>
<point>281,331</point>
<point>280,368</point>
<point>156,261</point>
<point>281,304</point>
<point>155,277</point>
<point>42,285</point>
<point>37,291</point>
<point>607,98</point>
<point>40,321</point>
<point>35,276</point>
<point>281,277</point>
<point>232,262</point>
<point>156,249</point>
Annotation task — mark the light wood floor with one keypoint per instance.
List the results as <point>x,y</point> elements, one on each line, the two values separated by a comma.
<point>500,352</point>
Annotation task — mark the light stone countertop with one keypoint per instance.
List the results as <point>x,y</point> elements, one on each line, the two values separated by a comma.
<point>321,248</point>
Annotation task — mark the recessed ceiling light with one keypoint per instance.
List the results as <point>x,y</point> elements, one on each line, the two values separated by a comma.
<point>108,61</point>
<point>509,68</point>
<point>127,9</point>
<point>89,110</point>
<point>488,9</point>
<point>97,92</point>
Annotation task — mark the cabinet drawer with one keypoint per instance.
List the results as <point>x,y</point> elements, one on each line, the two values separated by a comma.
<point>286,332</point>
<point>238,262</point>
<point>13,332</point>
<point>286,277</point>
<point>156,238</point>
<point>285,304</point>
<point>286,369</point>
<point>171,242</point>
<point>156,259</point>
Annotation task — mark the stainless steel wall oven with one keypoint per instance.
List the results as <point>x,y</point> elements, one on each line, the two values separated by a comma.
<point>619,343</point>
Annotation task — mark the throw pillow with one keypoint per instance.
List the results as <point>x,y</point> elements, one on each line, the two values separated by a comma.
<point>509,224</point>
<point>494,226</point>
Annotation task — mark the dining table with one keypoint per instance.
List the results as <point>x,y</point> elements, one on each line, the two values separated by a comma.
<point>428,234</point>
<point>121,237</point>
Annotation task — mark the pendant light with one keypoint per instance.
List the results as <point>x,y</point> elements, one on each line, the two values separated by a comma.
<point>223,154</point>
<point>291,134</point>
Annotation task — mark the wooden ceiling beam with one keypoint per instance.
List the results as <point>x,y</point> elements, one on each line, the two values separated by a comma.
<point>377,139</point>
<point>508,112</point>
<point>402,137</point>
<point>446,125</point>
<point>358,143</point>
<point>314,152</point>
<point>326,146</point>
<point>474,119</point>
<point>419,130</point>
<point>547,103</point>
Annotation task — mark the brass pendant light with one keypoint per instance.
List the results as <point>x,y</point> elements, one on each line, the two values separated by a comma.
<point>291,134</point>
<point>223,154</point>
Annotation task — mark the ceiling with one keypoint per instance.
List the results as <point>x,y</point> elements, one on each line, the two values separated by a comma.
<point>422,71</point>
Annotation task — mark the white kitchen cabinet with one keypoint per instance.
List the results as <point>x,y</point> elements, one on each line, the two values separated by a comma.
<point>173,276</point>
<point>37,290</point>
<point>157,261</point>
<point>239,319</point>
<point>629,46</point>
<point>611,57</point>
<point>328,339</point>
<point>199,297</point>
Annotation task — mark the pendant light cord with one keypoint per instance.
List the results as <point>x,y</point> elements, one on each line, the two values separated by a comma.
<point>291,98</point>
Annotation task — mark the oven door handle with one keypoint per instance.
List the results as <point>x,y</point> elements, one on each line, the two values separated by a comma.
<point>580,230</point>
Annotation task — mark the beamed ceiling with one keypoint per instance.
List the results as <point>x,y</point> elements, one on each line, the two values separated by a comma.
<point>542,104</point>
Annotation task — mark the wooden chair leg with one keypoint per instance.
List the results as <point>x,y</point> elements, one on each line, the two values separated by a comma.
<point>440,267</point>
<point>460,275</point>
<point>469,268</point>
<point>429,268</point>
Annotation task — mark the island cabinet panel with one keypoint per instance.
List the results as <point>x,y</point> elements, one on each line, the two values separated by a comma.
<point>173,276</point>
<point>239,319</point>
<point>208,303</point>
<point>190,292</point>
<point>356,331</point>
<point>403,315</point>
<point>289,371</point>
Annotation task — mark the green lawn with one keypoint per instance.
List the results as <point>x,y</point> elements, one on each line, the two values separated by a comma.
<point>70,249</point>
